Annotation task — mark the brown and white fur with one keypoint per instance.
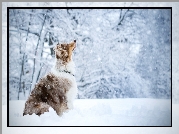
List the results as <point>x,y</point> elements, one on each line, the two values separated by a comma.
<point>58,88</point>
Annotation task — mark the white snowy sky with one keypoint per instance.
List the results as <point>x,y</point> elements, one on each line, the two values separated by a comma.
<point>104,130</point>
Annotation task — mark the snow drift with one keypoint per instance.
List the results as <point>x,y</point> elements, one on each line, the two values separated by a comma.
<point>98,112</point>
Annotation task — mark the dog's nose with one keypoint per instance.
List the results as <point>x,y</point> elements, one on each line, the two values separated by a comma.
<point>74,40</point>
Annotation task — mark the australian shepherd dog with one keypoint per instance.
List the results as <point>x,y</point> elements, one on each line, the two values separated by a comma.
<point>58,88</point>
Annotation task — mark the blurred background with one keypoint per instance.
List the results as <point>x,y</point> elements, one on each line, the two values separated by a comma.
<point>120,53</point>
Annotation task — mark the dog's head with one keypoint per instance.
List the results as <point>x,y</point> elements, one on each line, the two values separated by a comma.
<point>64,52</point>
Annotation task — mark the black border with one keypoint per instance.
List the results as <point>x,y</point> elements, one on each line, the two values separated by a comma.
<point>78,8</point>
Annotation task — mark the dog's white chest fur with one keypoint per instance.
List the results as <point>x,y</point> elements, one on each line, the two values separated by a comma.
<point>72,92</point>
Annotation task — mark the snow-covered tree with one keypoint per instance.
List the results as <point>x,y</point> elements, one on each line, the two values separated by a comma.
<point>119,53</point>
<point>154,62</point>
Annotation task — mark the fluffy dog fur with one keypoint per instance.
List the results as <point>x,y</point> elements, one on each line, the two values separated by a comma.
<point>58,88</point>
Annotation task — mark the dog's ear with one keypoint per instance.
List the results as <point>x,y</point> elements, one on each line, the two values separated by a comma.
<point>55,47</point>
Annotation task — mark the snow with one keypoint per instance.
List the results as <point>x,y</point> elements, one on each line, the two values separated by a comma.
<point>94,116</point>
<point>98,112</point>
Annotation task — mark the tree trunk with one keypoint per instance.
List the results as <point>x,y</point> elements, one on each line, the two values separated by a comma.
<point>36,67</point>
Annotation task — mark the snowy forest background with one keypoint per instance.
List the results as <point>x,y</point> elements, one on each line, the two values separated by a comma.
<point>120,53</point>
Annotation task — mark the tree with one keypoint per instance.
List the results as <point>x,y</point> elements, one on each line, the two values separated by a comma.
<point>154,62</point>
<point>119,53</point>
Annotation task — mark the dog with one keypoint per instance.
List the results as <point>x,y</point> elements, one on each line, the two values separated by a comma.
<point>57,89</point>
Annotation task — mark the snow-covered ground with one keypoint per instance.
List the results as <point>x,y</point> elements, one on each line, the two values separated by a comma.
<point>98,112</point>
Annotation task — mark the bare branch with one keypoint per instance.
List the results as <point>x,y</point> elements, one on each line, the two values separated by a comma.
<point>122,18</point>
